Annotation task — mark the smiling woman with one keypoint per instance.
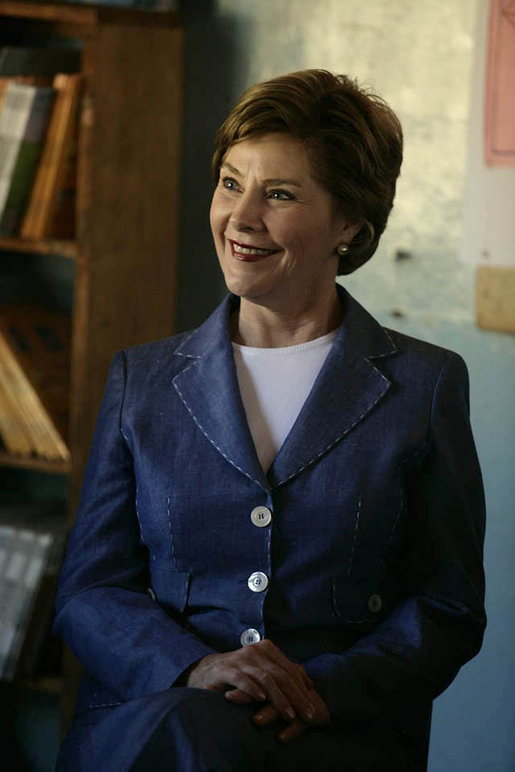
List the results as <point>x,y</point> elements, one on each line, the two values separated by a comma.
<point>277,561</point>
<point>276,232</point>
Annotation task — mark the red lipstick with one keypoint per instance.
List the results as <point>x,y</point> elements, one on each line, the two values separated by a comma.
<point>249,253</point>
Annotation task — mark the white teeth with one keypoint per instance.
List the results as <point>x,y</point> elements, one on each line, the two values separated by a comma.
<point>251,250</point>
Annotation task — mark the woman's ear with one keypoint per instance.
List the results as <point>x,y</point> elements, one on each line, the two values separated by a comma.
<point>358,251</point>
<point>346,233</point>
<point>349,230</point>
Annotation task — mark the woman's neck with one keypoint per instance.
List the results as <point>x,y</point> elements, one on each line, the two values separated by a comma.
<point>262,327</point>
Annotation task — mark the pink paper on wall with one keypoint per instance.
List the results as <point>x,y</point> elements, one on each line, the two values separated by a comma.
<point>500,85</point>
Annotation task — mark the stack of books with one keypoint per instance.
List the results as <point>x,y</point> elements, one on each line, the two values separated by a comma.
<point>38,141</point>
<point>32,540</point>
<point>34,381</point>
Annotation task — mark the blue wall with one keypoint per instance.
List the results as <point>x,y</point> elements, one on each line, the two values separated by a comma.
<point>474,720</point>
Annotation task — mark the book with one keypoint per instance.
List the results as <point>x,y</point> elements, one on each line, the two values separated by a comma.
<point>32,540</point>
<point>63,222</point>
<point>15,437</point>
<point>34,381</point>
<point>56,172</point>
<point>23,122</point>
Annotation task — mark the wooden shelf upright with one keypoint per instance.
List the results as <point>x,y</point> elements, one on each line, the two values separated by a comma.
<point>127,191</point>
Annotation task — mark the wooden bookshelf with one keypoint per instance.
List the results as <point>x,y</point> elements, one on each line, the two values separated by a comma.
<point>127,204</point>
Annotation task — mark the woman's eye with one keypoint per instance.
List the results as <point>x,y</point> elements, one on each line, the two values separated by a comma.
<point>229,183</point>
<point>281,195</point>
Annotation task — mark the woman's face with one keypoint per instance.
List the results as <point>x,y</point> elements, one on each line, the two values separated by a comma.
<point>275,227</point>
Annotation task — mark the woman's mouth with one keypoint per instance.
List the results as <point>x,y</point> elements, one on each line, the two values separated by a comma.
<point>249,253</point>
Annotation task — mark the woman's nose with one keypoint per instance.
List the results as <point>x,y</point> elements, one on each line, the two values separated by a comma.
<point>247,214</point>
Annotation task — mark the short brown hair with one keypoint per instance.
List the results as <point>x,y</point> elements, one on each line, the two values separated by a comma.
<point>353,138</point>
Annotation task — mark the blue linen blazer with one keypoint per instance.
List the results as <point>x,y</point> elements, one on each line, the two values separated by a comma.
<point>373,554</point>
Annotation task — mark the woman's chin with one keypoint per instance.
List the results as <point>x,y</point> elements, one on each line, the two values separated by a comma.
<point>245,287</point>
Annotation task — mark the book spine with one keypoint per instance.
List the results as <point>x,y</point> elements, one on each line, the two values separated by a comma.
<point>15,113</point>
<point>15,436</point>
<point>28,143</point>
<point>45,438</point>
<point>51,173</point>
<point>26,557</point>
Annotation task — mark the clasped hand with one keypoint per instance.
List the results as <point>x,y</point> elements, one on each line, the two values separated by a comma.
<point>261,673</point>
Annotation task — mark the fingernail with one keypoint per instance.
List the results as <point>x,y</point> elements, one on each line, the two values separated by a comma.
<point>290,713</point>
<point>261,696</point>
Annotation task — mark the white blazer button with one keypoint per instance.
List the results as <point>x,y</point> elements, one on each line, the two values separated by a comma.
<point>258,581</point>
<point>261,516</point>
<point>250,636</point>
<point>375,604</point>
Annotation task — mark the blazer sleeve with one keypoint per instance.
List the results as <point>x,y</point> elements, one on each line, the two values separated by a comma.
<point>415,653</point>
<point>104,612</point>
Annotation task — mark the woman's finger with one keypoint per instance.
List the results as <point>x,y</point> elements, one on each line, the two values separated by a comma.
<point>282,691</point>
<point>265,715</point>
<point>293,730</point>
<point>243,681</point>
<point>274,693</point>
<point>262,672</point>
<point>282,680</point>
<point>238,697</point>
<point>269,651</point>
<point>298,683</point>
<point>220,672</point>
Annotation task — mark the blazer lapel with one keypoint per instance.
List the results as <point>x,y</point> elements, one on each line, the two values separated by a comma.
<point>208,387</point>
<point>347,388</point>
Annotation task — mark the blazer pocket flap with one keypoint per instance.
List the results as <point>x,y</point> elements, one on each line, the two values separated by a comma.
<point>170,588</point>
<point>356,602</point>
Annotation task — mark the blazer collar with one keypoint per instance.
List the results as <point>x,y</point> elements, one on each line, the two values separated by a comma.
<point>347,388</point>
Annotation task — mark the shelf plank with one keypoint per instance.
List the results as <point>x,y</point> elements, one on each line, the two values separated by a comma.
<point>49,11</point>
<point>35,464</point>
<point>85,15</point>
<point>63,248</point>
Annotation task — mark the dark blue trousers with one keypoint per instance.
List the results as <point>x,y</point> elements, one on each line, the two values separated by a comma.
<point>193,730</point>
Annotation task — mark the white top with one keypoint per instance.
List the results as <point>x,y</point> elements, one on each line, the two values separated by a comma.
<point>274,384</point>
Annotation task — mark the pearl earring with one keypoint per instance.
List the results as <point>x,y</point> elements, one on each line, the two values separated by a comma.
<point>343,249</point>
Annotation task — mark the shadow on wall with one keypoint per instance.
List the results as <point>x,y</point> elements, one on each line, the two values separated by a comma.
<point>209,89</point>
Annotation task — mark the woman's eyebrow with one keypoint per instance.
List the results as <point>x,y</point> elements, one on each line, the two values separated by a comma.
<point>230,167</point>
<point>282,181</point>
<point>268,181</point>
